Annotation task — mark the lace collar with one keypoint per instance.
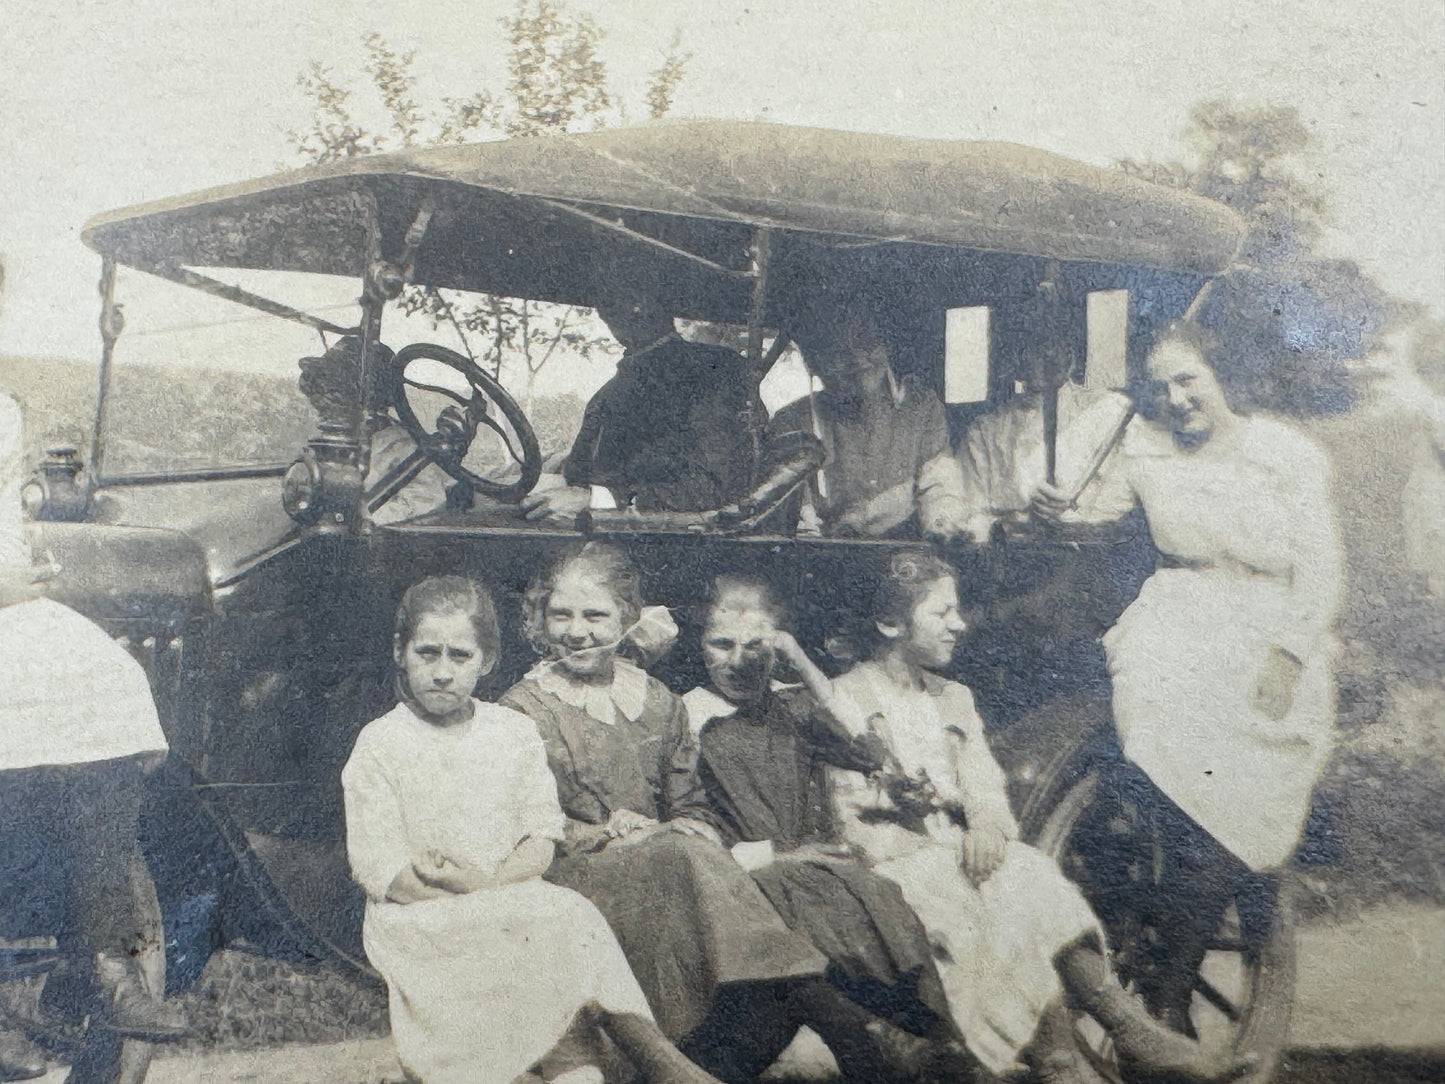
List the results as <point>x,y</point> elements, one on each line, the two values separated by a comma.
<point>625,696</point>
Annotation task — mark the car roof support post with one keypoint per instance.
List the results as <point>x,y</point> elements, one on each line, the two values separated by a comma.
<point>1056,300</point>
<point>757,312</point>
<point>383,281</point>
<point>111,325</point>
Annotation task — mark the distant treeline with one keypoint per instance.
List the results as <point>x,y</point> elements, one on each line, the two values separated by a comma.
<point>160,418</point>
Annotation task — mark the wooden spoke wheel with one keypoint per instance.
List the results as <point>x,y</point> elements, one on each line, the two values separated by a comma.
<point>1243,988</point>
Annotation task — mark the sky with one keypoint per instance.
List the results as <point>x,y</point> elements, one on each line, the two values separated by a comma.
<point>111,102</point>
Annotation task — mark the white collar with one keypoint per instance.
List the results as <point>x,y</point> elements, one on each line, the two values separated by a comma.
<point>625,695</point>
<point>704,704</point>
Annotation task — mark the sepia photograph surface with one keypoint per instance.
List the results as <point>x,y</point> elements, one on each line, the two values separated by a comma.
<point>568,542</point>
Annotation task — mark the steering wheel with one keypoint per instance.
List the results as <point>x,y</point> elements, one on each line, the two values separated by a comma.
<point>447,441</point>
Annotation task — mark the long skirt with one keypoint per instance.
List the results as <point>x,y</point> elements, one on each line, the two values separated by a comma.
<point>997,942</point>
<point>689,920</point>
<point>1184,658</point>
<point>481,986</point>
<point>877,947</point>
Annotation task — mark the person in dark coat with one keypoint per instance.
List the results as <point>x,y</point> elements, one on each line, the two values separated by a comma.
<point>675,430</point>
<point>765,751</point>
<point>704,943</point>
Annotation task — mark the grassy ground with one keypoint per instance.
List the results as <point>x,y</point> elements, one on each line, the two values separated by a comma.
<point>246,1002</point>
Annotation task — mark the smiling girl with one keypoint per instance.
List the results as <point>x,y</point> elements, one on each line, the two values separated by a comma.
<point>709,950</point>
<point>1222,667</point>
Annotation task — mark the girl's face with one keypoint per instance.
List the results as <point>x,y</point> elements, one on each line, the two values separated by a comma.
<point>443,663</point>
<point>583,623</point>
<point>1192,394</point>
<point>934,627</point>
<point>737,648</point>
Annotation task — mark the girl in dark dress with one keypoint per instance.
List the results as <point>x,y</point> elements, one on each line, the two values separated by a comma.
<point>764,754</point>
<point>703,941</point>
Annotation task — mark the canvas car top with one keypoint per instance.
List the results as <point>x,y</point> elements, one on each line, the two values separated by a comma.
<point>566,217</point>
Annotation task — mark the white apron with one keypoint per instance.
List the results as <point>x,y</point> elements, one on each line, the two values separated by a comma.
<point>1250,522</point>
<point>69,694</point>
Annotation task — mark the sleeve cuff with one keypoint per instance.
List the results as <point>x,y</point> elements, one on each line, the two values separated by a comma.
<point>602,499</point>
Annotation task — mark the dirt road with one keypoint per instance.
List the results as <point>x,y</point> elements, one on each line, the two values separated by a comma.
<point>1369,1009</point>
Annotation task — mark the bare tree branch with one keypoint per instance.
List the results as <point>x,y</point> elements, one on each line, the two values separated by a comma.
<point>664,81</point>
<point>394,81</point>
<point>556,81</point>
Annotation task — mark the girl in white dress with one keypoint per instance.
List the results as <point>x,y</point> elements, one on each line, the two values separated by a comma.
<point>494,975</point>
<point>1013,936</point>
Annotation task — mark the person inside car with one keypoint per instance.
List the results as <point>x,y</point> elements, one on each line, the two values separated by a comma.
<point>890,469</point>
<point>329,382</point>
<point>675,430</point>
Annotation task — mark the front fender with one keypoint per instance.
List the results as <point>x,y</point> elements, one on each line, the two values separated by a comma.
<point>121,576</point>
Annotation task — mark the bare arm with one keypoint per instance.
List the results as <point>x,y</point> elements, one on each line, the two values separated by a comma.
<point>407,887</point>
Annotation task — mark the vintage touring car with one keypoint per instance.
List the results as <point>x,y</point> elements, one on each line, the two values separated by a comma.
<point>258,594</point>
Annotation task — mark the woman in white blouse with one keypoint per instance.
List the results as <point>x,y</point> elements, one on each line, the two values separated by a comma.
<point>1222,668</point>
<point>494,975</point>
<point>79,734</point>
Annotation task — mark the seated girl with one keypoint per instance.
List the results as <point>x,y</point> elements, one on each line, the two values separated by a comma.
<point>707,947</point>
<point>494,975</point>
<point>763,754</point>
<point>1013,935</point>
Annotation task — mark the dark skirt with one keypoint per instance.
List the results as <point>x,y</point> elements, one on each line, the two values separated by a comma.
<point>689,920</point>
<point>876,946</point>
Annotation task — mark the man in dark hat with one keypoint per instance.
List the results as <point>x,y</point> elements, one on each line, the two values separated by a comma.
<point>674,430</point>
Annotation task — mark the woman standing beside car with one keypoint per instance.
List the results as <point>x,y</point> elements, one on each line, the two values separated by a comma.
<point>78,734</point>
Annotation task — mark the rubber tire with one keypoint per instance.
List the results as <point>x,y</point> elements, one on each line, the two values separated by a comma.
<point>1067,788</point>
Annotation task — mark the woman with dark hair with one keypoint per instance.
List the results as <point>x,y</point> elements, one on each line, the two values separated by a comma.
<point>707,947</point>
<point>451,820</point>
<point>1222,666</point>
<point>1015,934</point>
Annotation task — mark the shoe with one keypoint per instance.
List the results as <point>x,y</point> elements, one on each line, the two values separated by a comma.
<point>908,1056</point>
<point>20,1059</point>
<point>137,1014</point>
<point>1064,1067</point>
